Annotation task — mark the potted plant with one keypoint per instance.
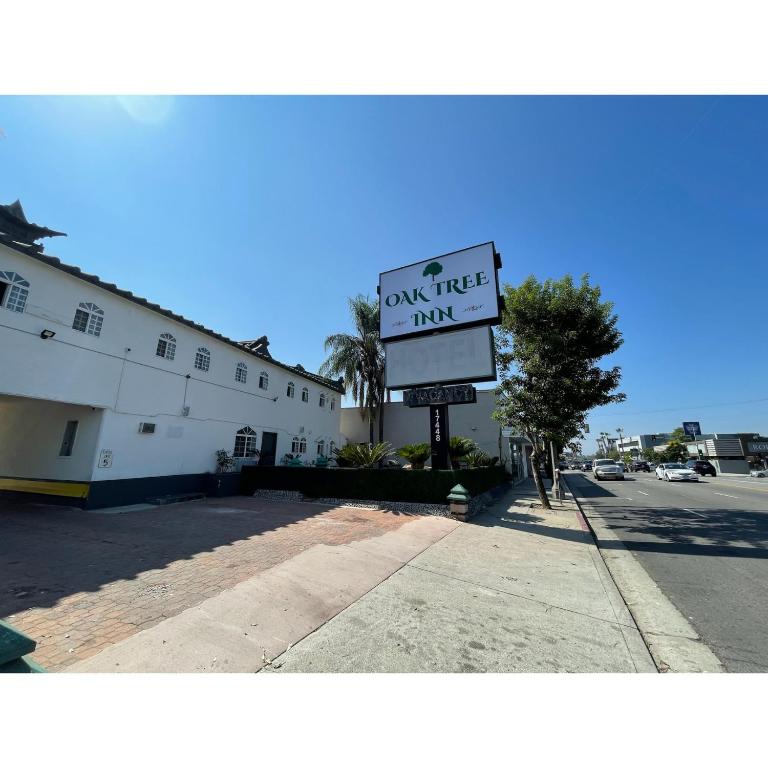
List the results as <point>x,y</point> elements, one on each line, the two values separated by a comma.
<point>225,481</point>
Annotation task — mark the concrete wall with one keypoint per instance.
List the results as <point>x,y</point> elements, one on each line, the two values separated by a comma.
<point>411,425</point>
<point>119,372</point>
<point>31,432</point>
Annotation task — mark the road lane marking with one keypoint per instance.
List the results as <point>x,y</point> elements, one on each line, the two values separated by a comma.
<point>693,512</point>
<point>725,494</point>
<point>644,493</point>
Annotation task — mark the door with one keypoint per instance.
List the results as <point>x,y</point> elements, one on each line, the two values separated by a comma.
<point>268,449</point>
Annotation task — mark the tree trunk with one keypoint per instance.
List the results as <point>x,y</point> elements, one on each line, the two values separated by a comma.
<point>535,460</point>
<point>381,416</point>
<point>370,425</point>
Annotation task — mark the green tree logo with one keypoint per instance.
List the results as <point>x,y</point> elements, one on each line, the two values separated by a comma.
<point>435,268</point>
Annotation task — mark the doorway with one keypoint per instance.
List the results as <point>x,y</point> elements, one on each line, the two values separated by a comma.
<point>268,449</point>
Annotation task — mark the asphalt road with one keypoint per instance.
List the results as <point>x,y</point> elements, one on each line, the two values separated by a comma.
<point>706,546</point>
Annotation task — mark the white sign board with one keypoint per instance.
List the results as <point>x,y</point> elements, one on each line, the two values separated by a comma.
<point>440,294</point>
<point>105,458</point>
<point>444,358</point>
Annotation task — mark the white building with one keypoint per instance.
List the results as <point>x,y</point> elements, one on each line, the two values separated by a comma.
<point>109,399</point>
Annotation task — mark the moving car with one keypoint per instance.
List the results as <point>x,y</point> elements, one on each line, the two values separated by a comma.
<point>640,466</point>
<point>701,467</point>
<point>675,471</point>
<point>608,469</point>
<point>587,466</point>
<point>758,472</point>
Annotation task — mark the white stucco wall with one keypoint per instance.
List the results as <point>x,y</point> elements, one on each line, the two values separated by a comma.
<point>120,372</point>
<point>411,425</point>
<point>31,432</point>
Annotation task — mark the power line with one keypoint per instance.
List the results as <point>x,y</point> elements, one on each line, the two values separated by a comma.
<point>692,407</point>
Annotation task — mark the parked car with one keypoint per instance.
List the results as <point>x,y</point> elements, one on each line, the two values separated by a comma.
<point>758,472</point>
<point>675,471</point>
<point>701,467</point>
<point>587,466</point>
<point>607,469</point>
<point>640,466</point>
<point>621,465</point>
<point>652,464</point>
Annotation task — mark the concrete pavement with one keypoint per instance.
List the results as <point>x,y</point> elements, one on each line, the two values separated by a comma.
<point>517,589</point>
<point>691,561</point>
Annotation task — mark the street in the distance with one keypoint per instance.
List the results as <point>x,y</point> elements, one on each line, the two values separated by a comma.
<point>705,544</point>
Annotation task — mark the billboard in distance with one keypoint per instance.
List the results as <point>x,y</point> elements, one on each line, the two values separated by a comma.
<point>448,292</point>
<point>692,428</point>
<point>444,358</point>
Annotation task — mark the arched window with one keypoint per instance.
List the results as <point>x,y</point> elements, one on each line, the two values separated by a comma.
<point>202,359</point>
<point>263,380</point>
<point>241,373</point>
<point>303,445</point>
<point>291,389</point>
<point>14,290</point>
<point>245,444</point>
<point>295,445</point>
<point>331,449</point>
<point>321,448</point>
<point>333,403</point>
<point>88,318</point>
<point>166,346</point>
<point>304,395</point>
<point>322,399</point>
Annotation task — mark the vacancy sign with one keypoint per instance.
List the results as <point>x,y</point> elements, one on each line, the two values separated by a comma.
<point>446,293</point>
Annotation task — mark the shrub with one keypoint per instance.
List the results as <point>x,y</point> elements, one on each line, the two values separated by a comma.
<point>225,462</point>
<point>415,453</point>
<point>369,483</point>
<point>363,455</point>
<point>458,448</point>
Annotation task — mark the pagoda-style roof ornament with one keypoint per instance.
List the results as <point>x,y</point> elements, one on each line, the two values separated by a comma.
<point>15,226</point>
<point>260,346</point>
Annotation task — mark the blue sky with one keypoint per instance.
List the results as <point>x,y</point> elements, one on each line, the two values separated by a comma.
<point>261,215</point>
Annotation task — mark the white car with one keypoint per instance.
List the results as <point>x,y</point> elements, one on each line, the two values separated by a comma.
<point>758,473</point>
<point>607,469</point>
<point>672,472</point>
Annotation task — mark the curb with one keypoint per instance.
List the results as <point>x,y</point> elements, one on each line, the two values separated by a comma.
<point>673,643</point>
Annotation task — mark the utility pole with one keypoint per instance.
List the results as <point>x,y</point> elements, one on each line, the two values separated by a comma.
<point>620,431</point>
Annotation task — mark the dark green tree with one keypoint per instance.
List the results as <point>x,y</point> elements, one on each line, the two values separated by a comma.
<point>434,269</point>
<point>551,337</point>
<point>359,359</point>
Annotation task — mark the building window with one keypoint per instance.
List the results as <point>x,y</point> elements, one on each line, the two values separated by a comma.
<point>333,403</point>
<point>14,290</point>
<point>331,449</point>
<point>202,359</point>
<point>295,445</point>
<point>68,441</point>
<point>291,389</point>
<point>321,448</point>
<point>299,445</point>
<point>245,444</point>
<point>263,380</point>
<point>241,373</point>
<point>303,445</point>
<point>88,319</point>
<point>304,395</point>
<point>166,346</point>
<point>322,399</point>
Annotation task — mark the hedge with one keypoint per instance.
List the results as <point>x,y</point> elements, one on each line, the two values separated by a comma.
<point>426,486</point>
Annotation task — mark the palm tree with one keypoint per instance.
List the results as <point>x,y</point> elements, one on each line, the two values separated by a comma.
<point>359,359</point>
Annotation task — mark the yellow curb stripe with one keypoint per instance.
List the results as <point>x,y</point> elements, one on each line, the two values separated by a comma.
<point>47,487</point>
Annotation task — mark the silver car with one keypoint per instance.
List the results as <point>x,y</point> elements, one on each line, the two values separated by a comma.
<point>758,473</point>
<point>607,469</point>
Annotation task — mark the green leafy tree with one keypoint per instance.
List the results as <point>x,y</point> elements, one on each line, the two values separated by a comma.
<point>363,455</point>
<point>458,448</point>
<point>415,453</point>
<point>359,359</point>
<point>434,269</point>
<point>551,338</point>
<point>649,454</point>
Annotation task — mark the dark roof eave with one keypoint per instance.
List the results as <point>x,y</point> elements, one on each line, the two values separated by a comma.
<point>52,261</point>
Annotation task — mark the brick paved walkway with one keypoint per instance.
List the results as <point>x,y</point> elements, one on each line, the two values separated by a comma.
<point>78,581</point>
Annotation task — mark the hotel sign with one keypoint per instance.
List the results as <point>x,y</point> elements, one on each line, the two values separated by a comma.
<point>448,292</point>
<point>459,393</point>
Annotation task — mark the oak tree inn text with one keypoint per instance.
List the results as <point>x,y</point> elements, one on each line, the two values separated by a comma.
<point>107,398</point>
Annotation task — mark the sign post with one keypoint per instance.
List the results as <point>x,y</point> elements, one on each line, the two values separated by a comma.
<point>438,429</point>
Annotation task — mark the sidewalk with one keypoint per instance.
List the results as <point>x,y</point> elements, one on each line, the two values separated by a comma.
<point>514,590</point>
